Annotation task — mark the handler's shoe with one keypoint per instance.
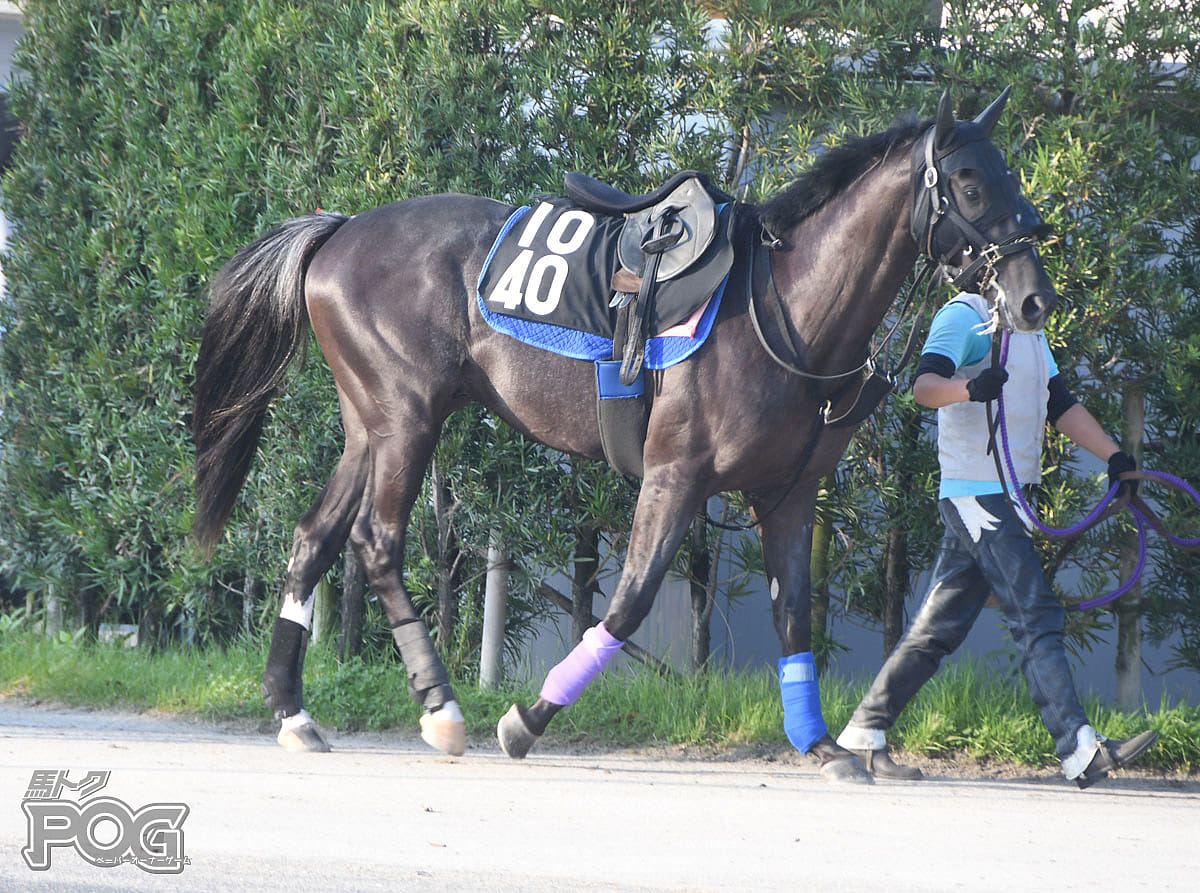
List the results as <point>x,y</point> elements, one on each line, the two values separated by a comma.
<point>1115,754</point>
<point>879,763</point>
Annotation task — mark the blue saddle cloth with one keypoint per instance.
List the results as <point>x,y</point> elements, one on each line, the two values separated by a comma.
<point>548,285</point>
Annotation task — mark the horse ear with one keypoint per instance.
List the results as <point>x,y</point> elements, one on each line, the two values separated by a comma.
<point>944,129</point>
<point>988,117</point>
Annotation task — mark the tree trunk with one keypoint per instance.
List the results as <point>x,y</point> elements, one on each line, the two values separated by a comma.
<point>701,588</point>
<point>1129,606</point>
<point>897,567</point>
<point>895,588</point>
<point>87,599</point>
<point>324,619</point>
<point>54,618</point>
<point>583,581</point>
<point>354,606</point>
<point>933,15</point>
<point>253,589</point>
<point>149,634</point>
<point>495,605</point>
<point>448,556</point>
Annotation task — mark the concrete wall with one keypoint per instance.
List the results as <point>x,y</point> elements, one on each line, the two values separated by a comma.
<point>11,27</point>
<point>743,636</point>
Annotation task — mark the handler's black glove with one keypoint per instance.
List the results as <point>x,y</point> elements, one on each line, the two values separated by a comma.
<point>1119,462</point>
<point>987,384</point>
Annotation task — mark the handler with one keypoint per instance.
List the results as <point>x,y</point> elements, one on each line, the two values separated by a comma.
<point>987,547</point>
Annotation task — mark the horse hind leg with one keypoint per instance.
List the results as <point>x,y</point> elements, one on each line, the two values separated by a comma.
<point>316,544</point>
<point>398,465</point>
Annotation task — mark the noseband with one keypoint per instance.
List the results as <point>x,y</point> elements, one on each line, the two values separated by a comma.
<point>933,204</point>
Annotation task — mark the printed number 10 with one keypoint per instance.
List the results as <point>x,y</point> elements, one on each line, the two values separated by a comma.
<point>522,280</point>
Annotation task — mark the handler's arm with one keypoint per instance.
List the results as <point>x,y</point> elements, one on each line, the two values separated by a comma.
<point>936,391</point>
<point>1081,426</point>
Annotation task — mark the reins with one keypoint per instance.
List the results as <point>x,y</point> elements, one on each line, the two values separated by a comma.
<point>884,381</point>
<point>872,355</point>
<point>931,206</point>
<point>1143,515</point>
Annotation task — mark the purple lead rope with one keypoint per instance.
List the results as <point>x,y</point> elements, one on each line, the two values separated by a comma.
<point>1139,519</point>
<point>1182,541</point>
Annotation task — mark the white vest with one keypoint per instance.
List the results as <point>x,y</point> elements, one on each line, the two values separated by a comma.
<point>963,428</point>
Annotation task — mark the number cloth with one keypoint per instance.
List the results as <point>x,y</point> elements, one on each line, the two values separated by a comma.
<point>547,283</point>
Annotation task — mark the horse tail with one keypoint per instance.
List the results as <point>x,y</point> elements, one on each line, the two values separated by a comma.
<point>257,322</point>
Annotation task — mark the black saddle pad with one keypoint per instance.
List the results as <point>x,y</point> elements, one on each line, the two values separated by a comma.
<point>555,265</point>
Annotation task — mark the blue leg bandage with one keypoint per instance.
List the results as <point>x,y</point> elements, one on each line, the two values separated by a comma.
<point>802,718</point>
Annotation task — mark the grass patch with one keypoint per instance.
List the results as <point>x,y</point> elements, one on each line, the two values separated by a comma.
<point>212,684</point>
<point>966,709</point>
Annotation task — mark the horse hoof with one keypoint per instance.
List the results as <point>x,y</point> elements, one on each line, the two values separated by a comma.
<point>305,738</point>
<point>444,729</point>
<point>515,737</point>
<point>845,770</point>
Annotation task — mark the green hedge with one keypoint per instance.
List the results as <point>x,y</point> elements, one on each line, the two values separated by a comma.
<point>158,138</point>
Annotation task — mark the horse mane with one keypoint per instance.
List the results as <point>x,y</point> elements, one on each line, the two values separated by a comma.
<point>834,171</point>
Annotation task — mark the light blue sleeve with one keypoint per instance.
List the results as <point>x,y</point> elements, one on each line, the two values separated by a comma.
<point>1050,356</point>
<point>956,333</point>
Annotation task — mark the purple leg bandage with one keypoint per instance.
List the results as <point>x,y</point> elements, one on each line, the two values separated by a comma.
<point>566,682</point>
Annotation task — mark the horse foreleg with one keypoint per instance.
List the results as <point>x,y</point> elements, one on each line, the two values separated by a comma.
<point>318,540</point>
<point>519,729</point>
<point>664,510</point>
<point>787,529</point>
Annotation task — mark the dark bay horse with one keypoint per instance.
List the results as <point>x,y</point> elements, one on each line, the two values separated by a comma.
<point>390,295</point>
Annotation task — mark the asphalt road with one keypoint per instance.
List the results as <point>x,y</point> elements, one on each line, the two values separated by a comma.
<point>387,813</point>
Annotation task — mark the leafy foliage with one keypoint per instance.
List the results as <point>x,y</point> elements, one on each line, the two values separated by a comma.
<point>157,139</point>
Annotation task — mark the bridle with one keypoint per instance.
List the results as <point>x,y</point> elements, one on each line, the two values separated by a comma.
<point>934,205</point>
<point>931,207</point>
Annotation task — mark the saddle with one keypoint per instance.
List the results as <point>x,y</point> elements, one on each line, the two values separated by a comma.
<point>662,258</point>
<point>675,222</point>
<point>665,233</point>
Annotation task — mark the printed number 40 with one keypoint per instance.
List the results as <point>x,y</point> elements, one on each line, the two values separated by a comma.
<point>523,279</point>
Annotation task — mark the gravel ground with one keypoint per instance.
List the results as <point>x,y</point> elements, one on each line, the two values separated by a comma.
<point>385,812</point>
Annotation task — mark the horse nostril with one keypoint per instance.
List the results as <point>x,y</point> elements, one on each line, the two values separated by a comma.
<point>1036,307</point>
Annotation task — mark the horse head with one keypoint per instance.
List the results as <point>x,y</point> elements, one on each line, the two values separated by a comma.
<point>969,215</point>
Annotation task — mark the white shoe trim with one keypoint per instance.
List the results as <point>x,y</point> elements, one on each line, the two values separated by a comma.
<point>856,738</point>
<point>1088,742</point>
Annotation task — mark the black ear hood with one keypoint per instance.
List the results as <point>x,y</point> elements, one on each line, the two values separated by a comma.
<point>989,116</point>
<point>1029,218</point>
<point>949,146</point>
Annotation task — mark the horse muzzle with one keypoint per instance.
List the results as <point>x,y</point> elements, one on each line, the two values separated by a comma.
<point>1022,291</point>
<point>1035,309</point>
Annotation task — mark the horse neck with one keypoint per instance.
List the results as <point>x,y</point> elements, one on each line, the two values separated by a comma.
<point>846,265</point>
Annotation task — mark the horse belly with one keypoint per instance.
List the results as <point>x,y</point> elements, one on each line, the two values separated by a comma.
<point>544,396</point>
